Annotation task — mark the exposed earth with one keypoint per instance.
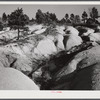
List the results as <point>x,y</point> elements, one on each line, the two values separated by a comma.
<point>60,58</point>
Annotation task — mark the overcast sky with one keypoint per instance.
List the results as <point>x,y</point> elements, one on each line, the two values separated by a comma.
<point>59,10</point>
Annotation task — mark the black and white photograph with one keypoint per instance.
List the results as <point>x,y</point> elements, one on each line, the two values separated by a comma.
<point>49,47</point>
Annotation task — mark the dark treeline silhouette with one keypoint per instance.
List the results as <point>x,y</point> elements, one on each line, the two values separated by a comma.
<point>45,17</point>
<point>48,18</point>
<point>72,19</point>
<point>18,20</point>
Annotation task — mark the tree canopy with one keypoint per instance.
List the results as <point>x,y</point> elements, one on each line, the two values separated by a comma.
<point>94,13</point>
<point>17,20</point>
<point>4,17</point>
<point>84,16</point>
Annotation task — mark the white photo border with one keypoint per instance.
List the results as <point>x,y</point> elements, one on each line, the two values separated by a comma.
<point>21,94</point>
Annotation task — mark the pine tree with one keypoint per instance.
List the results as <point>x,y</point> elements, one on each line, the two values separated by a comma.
<point>66,16</point>
<point>4,17</point>
<point>72,18</point>
<point>77,19</point>
<point>40,16</point>
<point>84,16</point>
<point>94,13</point>
<point>18,20</point>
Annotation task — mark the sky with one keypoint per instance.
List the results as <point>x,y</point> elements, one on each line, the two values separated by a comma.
<point>59,10</point>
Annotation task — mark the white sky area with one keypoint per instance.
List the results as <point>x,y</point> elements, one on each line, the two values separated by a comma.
<point>59,10</point>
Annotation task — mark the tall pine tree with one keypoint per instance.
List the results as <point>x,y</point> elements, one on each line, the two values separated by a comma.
<point>94,13</point>
<point>18,20</point>
<point>4,17</point>
<point>84,17</point>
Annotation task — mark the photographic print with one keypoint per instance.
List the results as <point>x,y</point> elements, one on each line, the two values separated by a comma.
<point>52,46</point>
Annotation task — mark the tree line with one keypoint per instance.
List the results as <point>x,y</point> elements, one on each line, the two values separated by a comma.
<point>85,18</point>
<point>17,20</point>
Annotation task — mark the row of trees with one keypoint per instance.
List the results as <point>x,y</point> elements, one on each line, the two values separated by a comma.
<point>72,18</point>
<point>51,17</point>
<point>18,20</point>
<point>45,17</point>
<point>85,18</point>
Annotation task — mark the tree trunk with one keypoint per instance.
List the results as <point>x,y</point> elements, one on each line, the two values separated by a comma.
<point>18,33</point>
<point>84,21</point>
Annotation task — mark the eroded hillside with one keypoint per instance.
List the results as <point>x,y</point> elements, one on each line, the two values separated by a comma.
<point>55,58</point>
